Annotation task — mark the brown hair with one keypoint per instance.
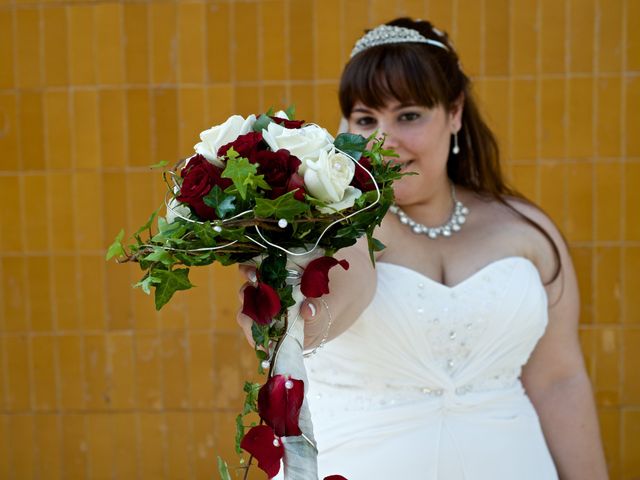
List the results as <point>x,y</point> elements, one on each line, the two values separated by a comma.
<point>430,75</point>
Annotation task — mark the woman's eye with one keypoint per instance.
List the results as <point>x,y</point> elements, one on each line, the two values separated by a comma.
<point>365,121</point>
<point>409,116</point>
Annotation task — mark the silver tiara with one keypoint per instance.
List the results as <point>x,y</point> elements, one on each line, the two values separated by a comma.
<point>385,34</point>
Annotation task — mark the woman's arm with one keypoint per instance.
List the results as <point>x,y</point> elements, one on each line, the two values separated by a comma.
<point>351,292</point>
<point>556,379</point>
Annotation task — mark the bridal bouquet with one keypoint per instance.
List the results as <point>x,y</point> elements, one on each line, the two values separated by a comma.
<point>285,196</point>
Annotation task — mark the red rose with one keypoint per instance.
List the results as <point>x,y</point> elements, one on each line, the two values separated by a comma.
<point>279,403</point>
<point>200,177</point>
<point>362,180</point>
<point>315,278</point>
<point>246,145</point>
<point>261,303</point>
<point>288,123</point>
<point>335,477</point>
<point>296,182</point>
<point>261,442</point>
<point>280,170</point>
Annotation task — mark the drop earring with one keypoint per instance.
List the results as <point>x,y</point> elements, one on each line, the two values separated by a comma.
<point>456,148</point>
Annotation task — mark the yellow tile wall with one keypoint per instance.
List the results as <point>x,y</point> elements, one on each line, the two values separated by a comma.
<point>93,382</point>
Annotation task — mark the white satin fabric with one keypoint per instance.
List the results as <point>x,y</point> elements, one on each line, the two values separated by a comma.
<point>425,385</point>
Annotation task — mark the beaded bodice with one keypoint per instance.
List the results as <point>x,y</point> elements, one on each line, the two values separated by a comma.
<point>419,338</point>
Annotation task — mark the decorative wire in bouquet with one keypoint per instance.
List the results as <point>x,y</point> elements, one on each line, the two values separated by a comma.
<point>285,196</point>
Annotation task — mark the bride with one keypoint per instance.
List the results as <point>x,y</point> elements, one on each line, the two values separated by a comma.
<point>457,357</point>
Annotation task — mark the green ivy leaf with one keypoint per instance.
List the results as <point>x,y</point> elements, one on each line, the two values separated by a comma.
<point>159,254</point>
<point>262,123</point>
<point>260,334</point>
<point>239,432</point>
<point>243,174</point>
<point>378,246</point>
<point>223,469</point>
<point>250,402</point>
<point>205,232</point>
<point>286,297</point>
<point>285,206</point>
<point>222,203</point>
<point>351,144</point>
<point>374,245</point>
<point>169,282</point>
<point>116,249</point>
<point>273,269</point>
<point>147,225</point>
<point>146,283</point>
<point>169,231</point>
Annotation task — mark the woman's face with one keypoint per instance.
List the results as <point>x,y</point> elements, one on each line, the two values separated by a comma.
<point>420,136</point>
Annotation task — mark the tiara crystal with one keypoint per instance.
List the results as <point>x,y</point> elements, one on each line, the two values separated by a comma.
<point>385,34</point>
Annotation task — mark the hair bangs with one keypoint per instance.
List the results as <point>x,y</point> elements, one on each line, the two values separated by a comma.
<point>377,76</point>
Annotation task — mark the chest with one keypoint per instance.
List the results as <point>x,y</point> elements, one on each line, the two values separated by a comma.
<point>452,260</point>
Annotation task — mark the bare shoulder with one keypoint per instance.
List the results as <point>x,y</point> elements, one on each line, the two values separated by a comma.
<point>545,241</point>
<point>532,211</point>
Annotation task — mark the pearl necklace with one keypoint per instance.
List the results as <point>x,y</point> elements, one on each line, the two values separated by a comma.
<point>457,219</point>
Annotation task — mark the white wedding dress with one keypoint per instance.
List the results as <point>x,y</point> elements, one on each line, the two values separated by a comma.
<point>425,384</point>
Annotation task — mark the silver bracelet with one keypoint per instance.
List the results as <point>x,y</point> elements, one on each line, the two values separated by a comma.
<point>326,332</point>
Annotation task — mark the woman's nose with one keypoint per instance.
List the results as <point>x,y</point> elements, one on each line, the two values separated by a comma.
<point>390,138</point>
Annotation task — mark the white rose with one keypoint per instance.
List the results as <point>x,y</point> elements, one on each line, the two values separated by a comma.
<point>220,135</point>
<point>328,177</point>
<point>351,194</point>
<point>175,209</point>
<point>306,143</point>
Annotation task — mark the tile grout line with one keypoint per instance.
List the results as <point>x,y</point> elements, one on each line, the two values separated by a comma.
<point>260,55</point>
<point>510,88</point>
<point>314,60</point>
<point>71,99</point>
<point>539,129</point>
<point>51,277</point>
<point>483,39</point>
<point>127,217</point>
<point>567,117</point>
<point>595,66</point>
<point>287,37</point>
<point>145,169</point>
<point>73,169</point>
<point>187,350</point>
<point>101,204</point>
<point>206,122</point>
<point>623,210</point>
<point>136,411</point>
<point>23,231</point>
<point>4,357</point>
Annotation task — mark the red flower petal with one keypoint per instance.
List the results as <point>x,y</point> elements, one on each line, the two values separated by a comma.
<point>315,278</point>
<point>288,123</point>
<point>261,442</point>
<point>245,145</point>
<point>335,477</point>
<point>279,406</point>
<point>296,182</point>
<point>361,179</point>
<point>200,177</point>
<point>261,303</point>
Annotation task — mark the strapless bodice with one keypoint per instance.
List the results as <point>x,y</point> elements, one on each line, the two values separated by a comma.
<point>420,336</point>
<point>429,376</point>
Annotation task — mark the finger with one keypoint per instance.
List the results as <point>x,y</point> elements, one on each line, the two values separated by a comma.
<point>245,323</point>
<point>249,272</point>
<point>242,289</point>
<point>308,309</point>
